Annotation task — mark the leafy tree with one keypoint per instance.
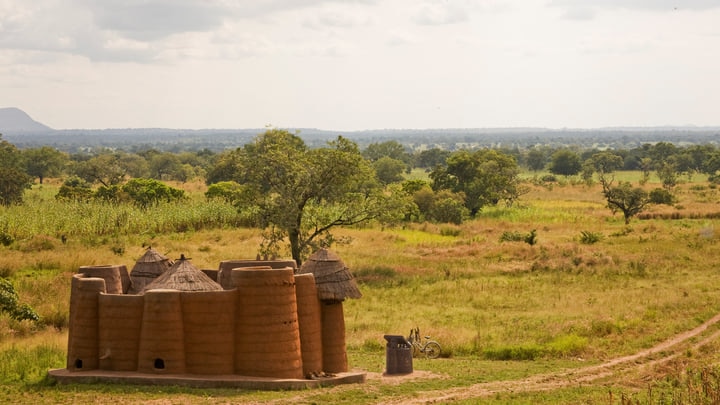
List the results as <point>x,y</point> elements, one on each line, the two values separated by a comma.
<point>147,192</point>
<point>13,179</point>
<point>226,168</point>
<point>44,162</point>
<point>626,199</point>
<point>389,170</point>
<point>565,162</point>
<point>485,177</point>
<point>431,157</point>
<point>106,169</point>
<point>391,149</point>
<point>302,193</point>
<point>668,174</point>
<point>536,159</point>
<point>167,166</point>
<point>604,164</point>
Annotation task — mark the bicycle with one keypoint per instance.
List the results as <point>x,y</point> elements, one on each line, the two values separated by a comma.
<point>430,348</point>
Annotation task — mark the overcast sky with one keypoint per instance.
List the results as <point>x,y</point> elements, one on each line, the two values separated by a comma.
<point>361,64</point>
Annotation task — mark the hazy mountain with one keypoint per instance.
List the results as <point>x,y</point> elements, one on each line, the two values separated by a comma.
<point>14,120</point>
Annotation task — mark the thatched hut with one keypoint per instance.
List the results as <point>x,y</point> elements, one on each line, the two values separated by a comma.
<point>332,277</point>
<point>183,276</point>
<point>147,268</point>
<point>334,284</point>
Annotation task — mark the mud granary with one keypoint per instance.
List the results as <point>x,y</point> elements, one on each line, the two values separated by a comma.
<point>248,318</point>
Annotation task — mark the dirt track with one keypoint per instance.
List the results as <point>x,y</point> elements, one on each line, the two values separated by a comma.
<point>660,353</point>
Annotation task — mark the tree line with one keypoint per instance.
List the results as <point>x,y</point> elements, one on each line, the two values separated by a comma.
<point>297,193</point>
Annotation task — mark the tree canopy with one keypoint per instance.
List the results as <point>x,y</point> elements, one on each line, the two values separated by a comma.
<point>302,193</point>
<point>485,177</point>
<point>13,178</point>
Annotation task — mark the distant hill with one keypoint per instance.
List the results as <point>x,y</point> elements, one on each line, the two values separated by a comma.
<point>14,120</point>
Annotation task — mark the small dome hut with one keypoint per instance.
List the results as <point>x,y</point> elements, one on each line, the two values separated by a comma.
<point>334,284</point>
<point>183,276</point>
<point>147,268</point>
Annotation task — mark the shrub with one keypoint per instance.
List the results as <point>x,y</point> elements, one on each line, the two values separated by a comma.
<point>509,236</point>
<point>9,303</point>
<point>148,192</point>
<point>448,210</point>
<point>588,238</point>
<point>74,189</point>
<point>661,196</point>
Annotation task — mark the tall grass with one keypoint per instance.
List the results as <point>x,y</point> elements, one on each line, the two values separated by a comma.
<point>553,302</point>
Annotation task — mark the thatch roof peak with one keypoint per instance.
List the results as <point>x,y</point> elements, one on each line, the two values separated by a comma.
<point>183,276</point>
<point>333,279</point>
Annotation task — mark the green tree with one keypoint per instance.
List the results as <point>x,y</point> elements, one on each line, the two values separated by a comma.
<point>430,158</point>
<point>391,149</point>
<point>604,164</point>
<point>485,177</point>
<point>106,168</point>
<point>565,162</point>
<point>389,170</point>
<point>626,199</point>
<point>536,159</point>
<point>302,193</point>
<point>13,179</point>
<point>44,162</point>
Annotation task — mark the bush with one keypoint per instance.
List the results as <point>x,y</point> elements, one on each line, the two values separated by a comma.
<point>448,210</point>
<point>661,196</point>
<point>509,236</point>
<point>74,189</point>
<point>529,238</point>
<point>9,303</point>
<point>588,238</point>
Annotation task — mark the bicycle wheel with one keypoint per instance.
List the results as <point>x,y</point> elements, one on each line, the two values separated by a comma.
<point>432,350</point>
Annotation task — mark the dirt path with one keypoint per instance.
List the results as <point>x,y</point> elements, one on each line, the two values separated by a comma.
<point>658,354</point>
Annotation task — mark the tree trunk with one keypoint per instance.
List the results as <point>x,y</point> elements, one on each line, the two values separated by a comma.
<point>294,237</point>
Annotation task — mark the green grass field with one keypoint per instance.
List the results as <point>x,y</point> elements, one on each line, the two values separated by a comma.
<point>503,311</point>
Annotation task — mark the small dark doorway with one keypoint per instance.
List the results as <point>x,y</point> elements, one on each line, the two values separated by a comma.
<point>159,364</point>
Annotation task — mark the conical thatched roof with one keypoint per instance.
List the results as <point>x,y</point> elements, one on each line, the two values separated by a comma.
<point>147,268</point>
<point>333,279</point>
<point>183,276</point>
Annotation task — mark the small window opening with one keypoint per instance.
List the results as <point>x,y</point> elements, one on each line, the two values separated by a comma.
<point>78,363</point>
<point>159,364</point>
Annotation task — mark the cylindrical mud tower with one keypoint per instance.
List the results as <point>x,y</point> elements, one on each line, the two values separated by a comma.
<point>83,322</point>
<point>267,336</point>
<point>333,337</point>
<point>226,266</point>
<point>120,321</point>
<point>117,279</point>
<point>162,337</point>
<point>209,322</point>
<point>310,321</point>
